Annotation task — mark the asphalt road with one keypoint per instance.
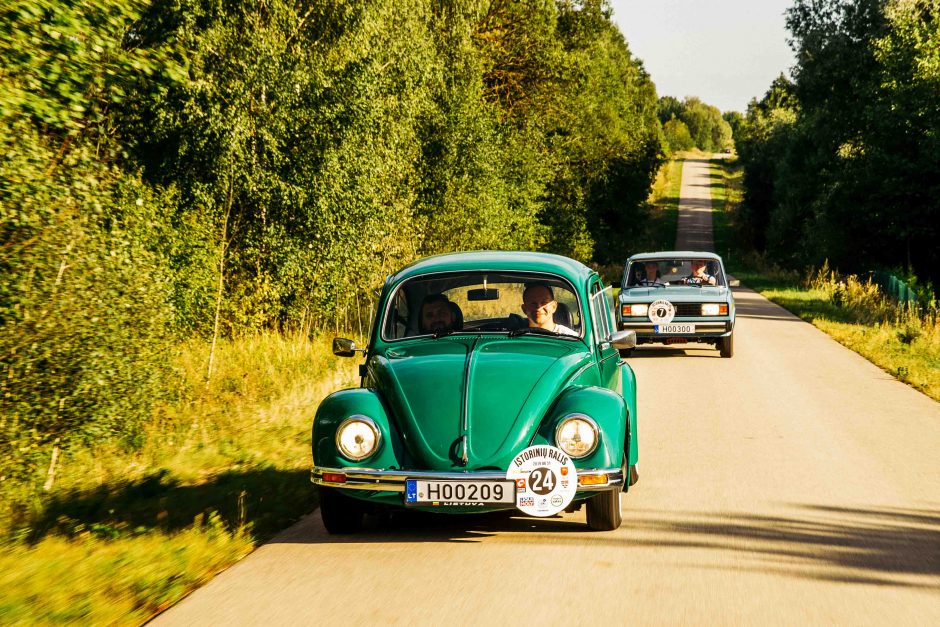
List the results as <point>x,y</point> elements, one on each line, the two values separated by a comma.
<point>694,228</point>
<point>795,483</point>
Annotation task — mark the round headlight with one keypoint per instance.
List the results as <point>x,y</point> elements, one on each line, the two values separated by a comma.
<point>357,437</point>
<point>577,435</point>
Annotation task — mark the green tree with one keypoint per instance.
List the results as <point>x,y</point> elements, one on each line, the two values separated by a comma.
<point>852,176</point>
<point>85,316</point>
<point>677,135</point>
<point>735,120</point>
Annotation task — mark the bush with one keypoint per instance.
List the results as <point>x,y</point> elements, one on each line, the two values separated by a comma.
<point>84,313</point>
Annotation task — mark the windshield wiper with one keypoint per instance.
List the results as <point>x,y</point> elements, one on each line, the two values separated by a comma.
<point>536,330</point>
<point>539,331</point>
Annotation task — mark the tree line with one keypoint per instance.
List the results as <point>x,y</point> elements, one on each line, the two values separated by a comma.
<point>841,160</point>
<point>173,169</point>
<point>690,123</point>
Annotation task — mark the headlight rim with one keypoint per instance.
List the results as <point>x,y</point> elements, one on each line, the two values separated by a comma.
<point>584,418</point>
<point>369,422</point>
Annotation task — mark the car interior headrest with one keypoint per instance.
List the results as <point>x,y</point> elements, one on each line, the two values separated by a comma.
<point>562,315</point>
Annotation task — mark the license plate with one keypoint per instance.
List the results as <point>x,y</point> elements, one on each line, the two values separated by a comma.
<point>674,328</point>
<point>425,492</point>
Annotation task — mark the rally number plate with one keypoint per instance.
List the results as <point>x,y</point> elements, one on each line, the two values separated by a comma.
<point>674,328</point>
<point>424,492</point>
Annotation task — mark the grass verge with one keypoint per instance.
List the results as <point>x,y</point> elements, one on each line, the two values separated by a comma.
<point>220,470</point>
<point>902,340</point>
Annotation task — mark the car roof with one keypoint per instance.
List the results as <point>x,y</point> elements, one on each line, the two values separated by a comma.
<point>674,254</point>
<point>497,261</point>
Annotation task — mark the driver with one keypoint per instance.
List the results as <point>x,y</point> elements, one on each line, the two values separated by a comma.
<point>539,305</point>
<point>438,314</point>
<point>699,276</point>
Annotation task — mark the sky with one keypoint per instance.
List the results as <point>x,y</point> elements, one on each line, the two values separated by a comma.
<point>723,51</point>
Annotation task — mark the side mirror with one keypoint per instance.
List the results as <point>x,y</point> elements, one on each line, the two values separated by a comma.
<point>734,283</point>
<point>345,348</point>
<point>622,339</point>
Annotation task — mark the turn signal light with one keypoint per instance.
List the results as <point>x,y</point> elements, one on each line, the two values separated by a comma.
<point>592,480</point>
<point>334,477</point>
<point>640,309</point>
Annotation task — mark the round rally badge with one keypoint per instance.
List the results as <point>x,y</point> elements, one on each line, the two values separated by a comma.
<point>661,311</point>
<point>546,480</point>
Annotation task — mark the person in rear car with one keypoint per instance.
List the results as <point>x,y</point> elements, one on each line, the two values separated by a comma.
<point>699,276</point>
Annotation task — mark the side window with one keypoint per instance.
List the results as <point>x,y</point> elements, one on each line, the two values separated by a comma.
<point>609,309</point>
<point>397,321</point>
<point>600,312</point>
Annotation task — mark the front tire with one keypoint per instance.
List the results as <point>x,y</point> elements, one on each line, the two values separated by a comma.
<point>340,513</point>
<point>625,352</point>
<point>726,345</point>
<point>603,511</point>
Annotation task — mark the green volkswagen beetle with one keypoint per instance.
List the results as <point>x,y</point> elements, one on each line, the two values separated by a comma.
<point>492,381</point>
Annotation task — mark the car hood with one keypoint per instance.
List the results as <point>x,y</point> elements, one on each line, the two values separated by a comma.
<point>679,293</point>
<point>493,390</point>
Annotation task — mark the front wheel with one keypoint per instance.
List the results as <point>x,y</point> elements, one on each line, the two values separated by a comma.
<point>726,345</point>
<point>603,511</point>
<point>340,513</point>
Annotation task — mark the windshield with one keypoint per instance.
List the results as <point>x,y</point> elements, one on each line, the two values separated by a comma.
<point>671,271</point>
<point>482,302</point>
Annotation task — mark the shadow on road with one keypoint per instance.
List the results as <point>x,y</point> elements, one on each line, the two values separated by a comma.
<point>261,500</point>
<point>413,526</point>
<point>872,546</point>
<point>692,349</point>
<point>850,545</point>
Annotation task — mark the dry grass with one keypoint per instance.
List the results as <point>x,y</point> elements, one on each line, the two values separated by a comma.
<point>220,469</point>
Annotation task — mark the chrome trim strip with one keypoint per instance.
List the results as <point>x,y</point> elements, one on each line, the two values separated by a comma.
<point>394,480</point>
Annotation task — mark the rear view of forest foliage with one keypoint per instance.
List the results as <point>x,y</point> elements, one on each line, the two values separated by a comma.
<point>175,169</point>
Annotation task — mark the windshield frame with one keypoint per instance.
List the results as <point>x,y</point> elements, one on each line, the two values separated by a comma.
<point>535,274</point>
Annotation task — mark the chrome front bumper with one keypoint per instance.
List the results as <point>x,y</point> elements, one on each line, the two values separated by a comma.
<point>394,480</point>
<point>646,330</point>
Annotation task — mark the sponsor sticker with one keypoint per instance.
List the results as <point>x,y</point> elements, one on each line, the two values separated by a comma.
<point>661,311</point>
<point>540,470</point>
